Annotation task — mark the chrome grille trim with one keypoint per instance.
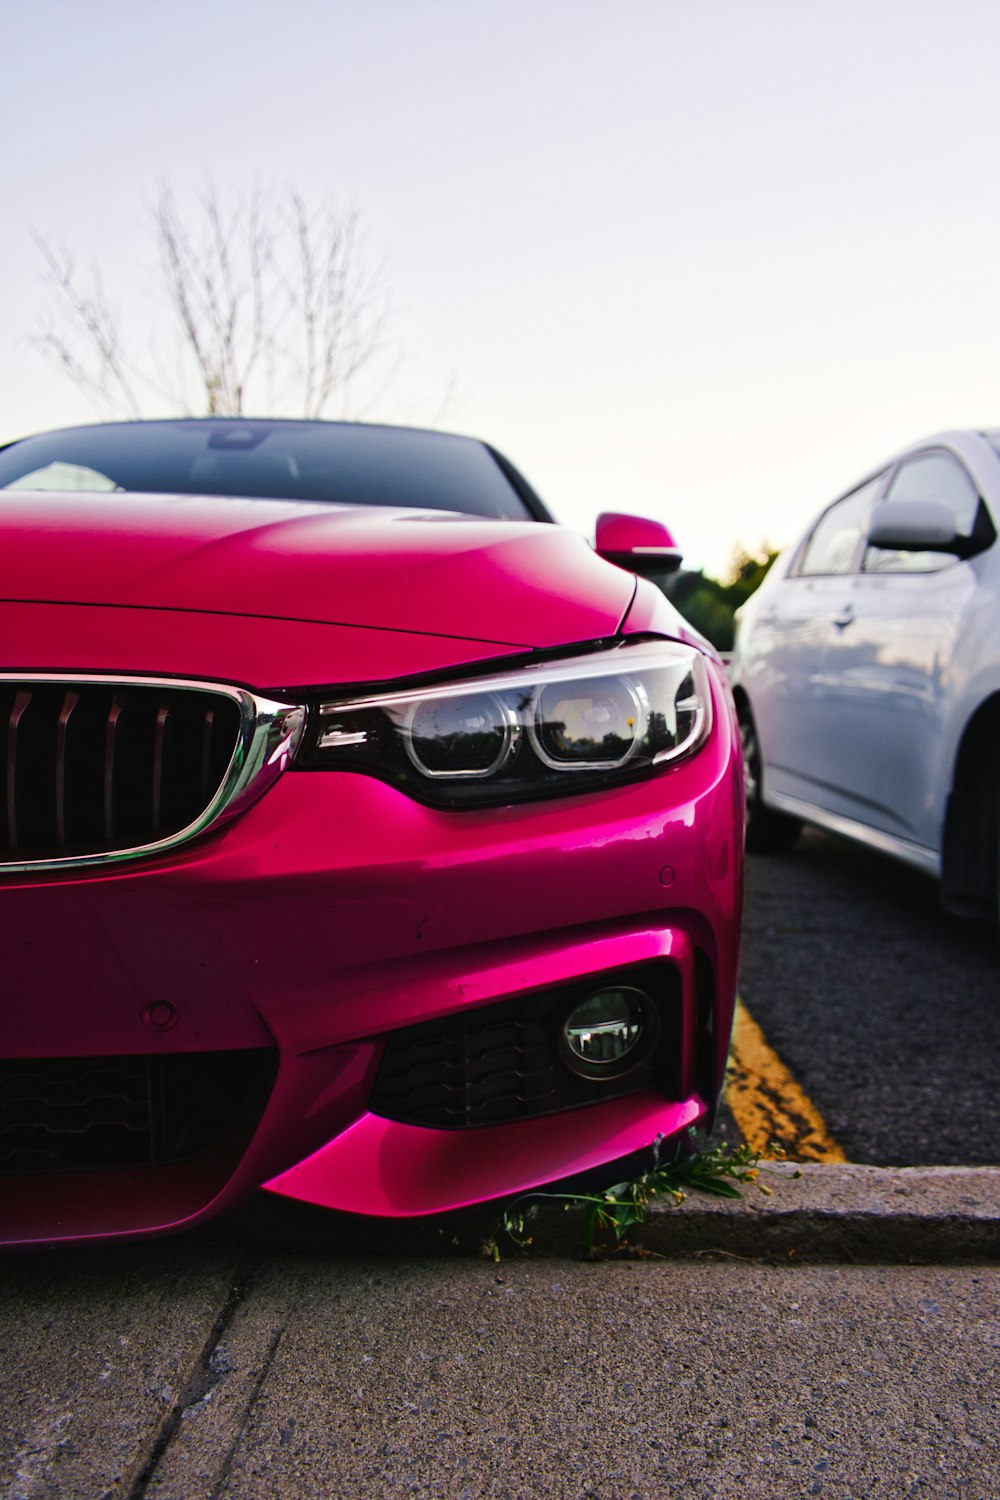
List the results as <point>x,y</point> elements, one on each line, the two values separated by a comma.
<point>265,742</point>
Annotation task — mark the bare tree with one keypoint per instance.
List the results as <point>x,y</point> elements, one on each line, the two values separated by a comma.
<point>265,304</point>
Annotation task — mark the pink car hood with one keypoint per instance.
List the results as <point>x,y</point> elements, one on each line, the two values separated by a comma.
<point>514,584</point>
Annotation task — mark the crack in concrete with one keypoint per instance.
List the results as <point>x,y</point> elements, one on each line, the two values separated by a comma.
<point>204,1377</point>
<point>262,1374</point>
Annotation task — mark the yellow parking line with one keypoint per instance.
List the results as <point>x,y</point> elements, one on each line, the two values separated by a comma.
<point>767,1103</point>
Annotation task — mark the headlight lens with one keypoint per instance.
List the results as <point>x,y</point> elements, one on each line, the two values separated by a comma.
<point>543,730</point>
<point>472,735</point>
<point>596,724</point>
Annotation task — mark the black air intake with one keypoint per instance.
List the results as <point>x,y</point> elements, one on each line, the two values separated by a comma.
<point>65,1114</point>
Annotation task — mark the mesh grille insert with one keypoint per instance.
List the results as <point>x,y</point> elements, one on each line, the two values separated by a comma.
<point>63,1114</point>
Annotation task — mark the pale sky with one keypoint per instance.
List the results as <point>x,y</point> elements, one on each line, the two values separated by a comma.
<point>704,260</point>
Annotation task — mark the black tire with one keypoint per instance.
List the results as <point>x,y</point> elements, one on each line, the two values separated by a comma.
<point>768,832</point>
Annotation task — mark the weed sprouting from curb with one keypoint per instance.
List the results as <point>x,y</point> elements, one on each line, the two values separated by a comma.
<point>721,1171</point>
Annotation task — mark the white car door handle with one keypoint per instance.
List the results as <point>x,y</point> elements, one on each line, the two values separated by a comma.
<point>845,616</point>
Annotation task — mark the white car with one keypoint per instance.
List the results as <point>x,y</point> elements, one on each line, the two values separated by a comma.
<point>866,671</point>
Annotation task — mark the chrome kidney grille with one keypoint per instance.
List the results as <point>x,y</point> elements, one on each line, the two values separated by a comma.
<point>101,769</point>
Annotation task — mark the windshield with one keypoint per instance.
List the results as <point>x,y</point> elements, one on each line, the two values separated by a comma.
<point>340,462</point>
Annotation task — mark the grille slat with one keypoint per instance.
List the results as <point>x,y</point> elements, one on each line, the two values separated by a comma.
<point>206,749</point>
<point>162,715</point>
<point>22,701</point>
<point>114,714</point>
<point>69,704</point>
<point>95,767</point>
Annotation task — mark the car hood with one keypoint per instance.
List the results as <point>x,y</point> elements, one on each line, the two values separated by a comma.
<point>521,584</point>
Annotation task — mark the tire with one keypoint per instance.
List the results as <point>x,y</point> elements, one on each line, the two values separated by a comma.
<point>767,832</point>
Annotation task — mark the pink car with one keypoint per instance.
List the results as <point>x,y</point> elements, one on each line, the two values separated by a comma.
<point>365,835</point>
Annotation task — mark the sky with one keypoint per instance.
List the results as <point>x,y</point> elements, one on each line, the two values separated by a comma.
<point>708,261</point>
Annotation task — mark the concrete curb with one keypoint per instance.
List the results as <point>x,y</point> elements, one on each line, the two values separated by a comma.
<point>817,1212</point>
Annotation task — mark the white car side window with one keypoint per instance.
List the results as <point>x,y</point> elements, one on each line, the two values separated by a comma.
<point>834,541</point>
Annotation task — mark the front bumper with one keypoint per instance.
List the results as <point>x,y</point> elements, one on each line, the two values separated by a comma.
<point>330,915</point>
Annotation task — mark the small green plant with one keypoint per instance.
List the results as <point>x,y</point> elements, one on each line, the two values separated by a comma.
<point>720,1170</point>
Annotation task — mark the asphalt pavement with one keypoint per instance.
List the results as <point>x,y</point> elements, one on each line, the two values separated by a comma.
<point>885,1009</point>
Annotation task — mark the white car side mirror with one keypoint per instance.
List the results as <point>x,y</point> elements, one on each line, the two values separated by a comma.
<point>917,526</point>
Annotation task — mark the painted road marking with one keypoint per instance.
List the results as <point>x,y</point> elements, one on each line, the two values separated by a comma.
<point>767,1103</point>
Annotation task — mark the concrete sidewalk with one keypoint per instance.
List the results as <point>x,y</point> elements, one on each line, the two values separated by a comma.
<point>280,1353</point>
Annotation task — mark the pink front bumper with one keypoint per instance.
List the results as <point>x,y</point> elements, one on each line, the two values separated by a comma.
<point>380,1166</point>
<point>337,911</point>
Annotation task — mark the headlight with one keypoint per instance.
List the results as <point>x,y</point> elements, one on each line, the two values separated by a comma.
<point>542,730</point>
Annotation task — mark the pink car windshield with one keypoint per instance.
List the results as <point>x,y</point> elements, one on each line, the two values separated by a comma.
<point>336,462</point>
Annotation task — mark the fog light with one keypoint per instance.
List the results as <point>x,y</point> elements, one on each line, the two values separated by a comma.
<point>608,1033</point>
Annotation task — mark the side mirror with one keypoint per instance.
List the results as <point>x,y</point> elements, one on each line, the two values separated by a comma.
<point>917,526</point>
<point>634,543</point>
